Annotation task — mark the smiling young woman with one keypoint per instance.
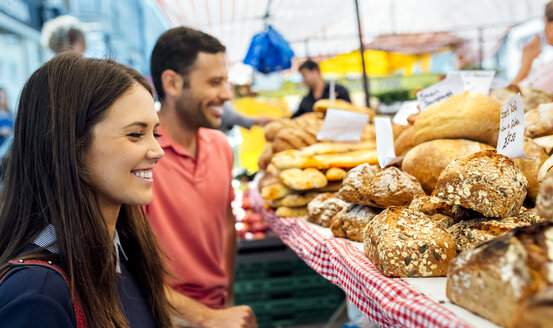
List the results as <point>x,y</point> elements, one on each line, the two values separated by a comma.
<point>78,170</point>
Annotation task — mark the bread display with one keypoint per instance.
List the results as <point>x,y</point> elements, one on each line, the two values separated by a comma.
<point>288,160</point>
<point>484,182</point>
<point>427,160</point>
<point>531,98</point>
<point>293,212</point>
<point>351,221</point>
<point>323,104</point>
<point>531,166</point>
<point>306,179</point>
<point>468,115</point>
<point>335,174</point>
<point>538,122</point>
<point>323,208</point>
<point>406,243</point>
<point>369,185</point>
<point>470,233</point>
<point>508,279</point>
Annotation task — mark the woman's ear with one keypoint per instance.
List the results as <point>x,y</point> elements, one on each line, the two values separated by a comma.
<point>172,83</point>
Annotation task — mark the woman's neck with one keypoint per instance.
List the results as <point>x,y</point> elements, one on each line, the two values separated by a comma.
<point>110,212</point>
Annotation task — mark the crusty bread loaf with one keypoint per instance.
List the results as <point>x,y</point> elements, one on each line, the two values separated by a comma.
<point>538,122</point>
<point>503,279</point>
<point>293,200</point>
<point>485,182</point>
<point>323,208</point>
<point>405,141</point>
<point>294,212</point>
<point>407,243</point>
<point>298,179</point>
<point>468,115</point>
<point>546,142</point>
<point>275,191</point>
<point>545,168</point>
<point>427,160</point>
<point>368,185</point>
<point>437,209</point>
<point>531,166</point>
<point>544,201</point>
<point>335,174</point>
<point>470,233</point>
<point>531,98</point>
<point>351,221</point>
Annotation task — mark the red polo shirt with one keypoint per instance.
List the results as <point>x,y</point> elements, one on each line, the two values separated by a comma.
<point>189,214</point>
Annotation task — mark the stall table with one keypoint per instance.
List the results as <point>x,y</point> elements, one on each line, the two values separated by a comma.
<point>389,302</point>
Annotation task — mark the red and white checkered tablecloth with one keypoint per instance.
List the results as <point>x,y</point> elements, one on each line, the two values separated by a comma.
<point>389,302</point>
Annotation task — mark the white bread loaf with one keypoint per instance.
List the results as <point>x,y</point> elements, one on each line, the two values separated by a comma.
<point>427,160</point>
<point>468,115</point>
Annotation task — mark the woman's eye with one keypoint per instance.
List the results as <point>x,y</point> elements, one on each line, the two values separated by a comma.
<point>136,135</point>
<point>157,135</point>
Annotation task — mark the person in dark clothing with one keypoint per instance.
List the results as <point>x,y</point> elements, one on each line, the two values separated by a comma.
<point>318,88</point>
<point>75,245</point>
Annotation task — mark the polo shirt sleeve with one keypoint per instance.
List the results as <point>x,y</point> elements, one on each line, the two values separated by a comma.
<point>230,155</point>
<point>36,298</point>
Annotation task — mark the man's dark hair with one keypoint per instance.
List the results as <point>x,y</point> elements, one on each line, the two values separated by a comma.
<point>310,65</point>
<point>177,49</point>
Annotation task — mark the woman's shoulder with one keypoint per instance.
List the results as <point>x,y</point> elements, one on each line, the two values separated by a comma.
<point>34,295</point>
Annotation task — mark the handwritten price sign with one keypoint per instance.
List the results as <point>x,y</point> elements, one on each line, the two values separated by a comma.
<point>511,129</point>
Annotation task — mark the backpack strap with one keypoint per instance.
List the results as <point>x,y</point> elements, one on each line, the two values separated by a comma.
<point>79,313</point>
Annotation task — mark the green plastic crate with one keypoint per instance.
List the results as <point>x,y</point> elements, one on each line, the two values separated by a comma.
<point>258,270</point>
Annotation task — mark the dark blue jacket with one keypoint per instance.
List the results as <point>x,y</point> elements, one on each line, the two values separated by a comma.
<point>39,297</point>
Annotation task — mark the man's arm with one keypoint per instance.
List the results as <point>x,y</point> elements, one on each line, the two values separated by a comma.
<point>195,314</point>
<point>231,254</point>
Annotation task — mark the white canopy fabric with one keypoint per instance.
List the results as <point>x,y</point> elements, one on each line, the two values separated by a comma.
<point>328,27</point>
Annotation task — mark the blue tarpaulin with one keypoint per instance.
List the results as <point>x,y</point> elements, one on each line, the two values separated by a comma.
<point>269,52</point>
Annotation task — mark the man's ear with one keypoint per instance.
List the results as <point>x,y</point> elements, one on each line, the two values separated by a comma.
<point>172,83</point>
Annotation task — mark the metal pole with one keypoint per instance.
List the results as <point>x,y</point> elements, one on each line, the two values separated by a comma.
<point>480,46</point>
<point>362,49</point>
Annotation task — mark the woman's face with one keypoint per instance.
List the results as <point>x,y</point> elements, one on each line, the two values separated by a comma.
<point>124,150</point>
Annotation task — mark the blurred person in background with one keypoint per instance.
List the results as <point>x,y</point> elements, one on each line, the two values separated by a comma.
<point>63,33</point>
<point>75,246</point>
<point>191,210</point>
<point>542,78</point>
<point>318,88</point>
<point>231,117</point>
<point>6,118</point>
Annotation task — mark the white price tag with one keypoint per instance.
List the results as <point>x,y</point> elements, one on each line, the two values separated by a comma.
<point>478,81</point>
<point>342,125</point>
<point>407,109</point>
<point>511,129</point>
<point>440,91</point>
<point>385,142</point>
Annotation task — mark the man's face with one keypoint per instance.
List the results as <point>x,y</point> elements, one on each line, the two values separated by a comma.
<point>310,77</point>
<point>201,101</point>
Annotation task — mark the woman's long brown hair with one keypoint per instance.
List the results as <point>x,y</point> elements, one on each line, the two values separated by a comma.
<point>46,183</point>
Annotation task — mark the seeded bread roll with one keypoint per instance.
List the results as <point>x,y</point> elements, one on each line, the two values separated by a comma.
<point>485,182</point>
<point>508,279</point>
<point>437,209</point>
<point>427,160</point>
<point>323,208</point>
<point>407,243</point>
<point>539,121</point>
<point>470,233</point>
<point>531,166</point>
<point>368,185</point>
<point>544,202</point>
<point>351,221</point>
<point>468,115</point>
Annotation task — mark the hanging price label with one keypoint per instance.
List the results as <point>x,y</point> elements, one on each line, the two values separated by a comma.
<point>385,142</point>
<point>407,109</point>
<point>511,129</point>
<point>440,91</point>
<point>342,125</point>
<point>478,81</point>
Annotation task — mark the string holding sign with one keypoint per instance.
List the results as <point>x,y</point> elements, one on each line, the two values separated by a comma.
<point>511,129</point>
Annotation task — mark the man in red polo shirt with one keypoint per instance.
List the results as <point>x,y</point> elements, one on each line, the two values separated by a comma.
<point>190,211</point>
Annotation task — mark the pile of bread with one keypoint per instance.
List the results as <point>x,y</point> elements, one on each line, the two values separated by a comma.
<point>452,204</point>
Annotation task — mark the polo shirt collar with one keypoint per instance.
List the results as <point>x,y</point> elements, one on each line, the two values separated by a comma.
<point>165,141</point>
<point>47,239</point>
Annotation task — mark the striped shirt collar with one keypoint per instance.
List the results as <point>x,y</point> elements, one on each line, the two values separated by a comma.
<point>47,239</point>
